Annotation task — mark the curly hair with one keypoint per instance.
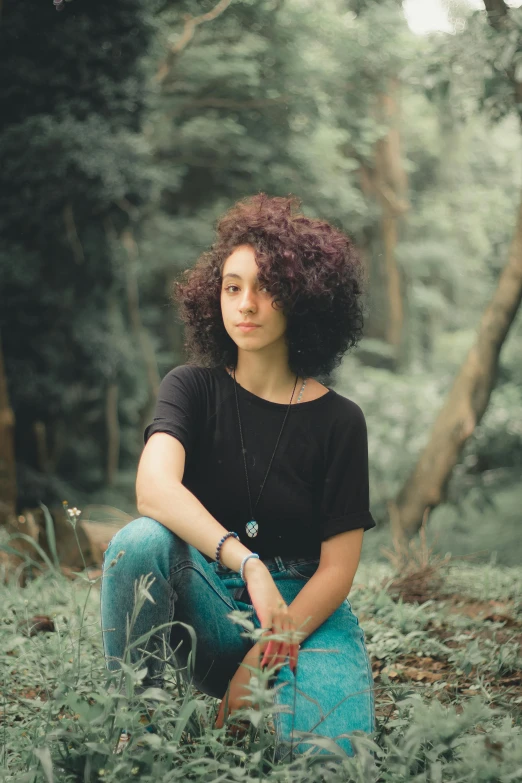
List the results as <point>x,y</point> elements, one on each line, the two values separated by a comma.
<point>311,268</point>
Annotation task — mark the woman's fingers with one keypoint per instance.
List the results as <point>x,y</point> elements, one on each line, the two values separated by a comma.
<point>284,647</point>
<point>272,649</point>
<point>268,653</point>
<point>277,650</point>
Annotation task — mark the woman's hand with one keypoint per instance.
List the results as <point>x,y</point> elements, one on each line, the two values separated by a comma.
<point>235,699</point>
<point>273,616</point>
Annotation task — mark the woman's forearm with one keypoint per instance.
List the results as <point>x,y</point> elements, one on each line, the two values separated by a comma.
<point>319,598</point>
<point>180,511</point>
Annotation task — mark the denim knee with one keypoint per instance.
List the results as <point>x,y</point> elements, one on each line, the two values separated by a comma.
<point>145,542</point>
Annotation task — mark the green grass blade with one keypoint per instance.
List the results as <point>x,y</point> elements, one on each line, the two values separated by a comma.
<point>10,550</point>
<point>51,536</point>
<point>36,545</point>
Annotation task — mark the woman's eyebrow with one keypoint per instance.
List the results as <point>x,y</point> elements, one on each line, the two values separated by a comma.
<point>233,274</point>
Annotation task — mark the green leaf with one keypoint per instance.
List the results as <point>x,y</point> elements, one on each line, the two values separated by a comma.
<point>51,537</point>
<point>155,694</point>
<point>88,712</point>
<point>44,756</point>
<point>183,718</point>
<point>33,543</point>
<point>99,747</point>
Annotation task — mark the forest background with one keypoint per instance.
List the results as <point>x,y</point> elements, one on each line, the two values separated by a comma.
<point>129,127</point>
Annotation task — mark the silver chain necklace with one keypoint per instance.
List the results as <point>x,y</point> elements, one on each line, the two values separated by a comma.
<point>252,527</point>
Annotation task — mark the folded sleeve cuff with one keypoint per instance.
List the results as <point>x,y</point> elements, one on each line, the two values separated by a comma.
<point>171,429</point>
<point>348,522</point>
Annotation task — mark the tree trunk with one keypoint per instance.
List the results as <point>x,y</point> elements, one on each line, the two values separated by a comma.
<point>391,186</point>
<point>139,331</point>
<point>386,182</point>
<point>113,433</point>
<point>466,402</point>
<point>42,449</point>
<point>8,489</point>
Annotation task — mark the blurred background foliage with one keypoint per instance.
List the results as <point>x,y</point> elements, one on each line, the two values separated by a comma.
<point>129,127</point>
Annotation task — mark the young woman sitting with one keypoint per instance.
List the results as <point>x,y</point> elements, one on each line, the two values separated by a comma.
<point>253,483</point>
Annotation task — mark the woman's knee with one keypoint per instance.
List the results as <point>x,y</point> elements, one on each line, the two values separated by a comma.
<point>143,537</point>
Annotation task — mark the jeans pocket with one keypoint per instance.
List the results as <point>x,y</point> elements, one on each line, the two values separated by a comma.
<point>302,569</point>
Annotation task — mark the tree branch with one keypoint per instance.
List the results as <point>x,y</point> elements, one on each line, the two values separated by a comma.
<point>226,103</point>
<point>497,12</point>
<point>72,234</point>
<point>191,22</point>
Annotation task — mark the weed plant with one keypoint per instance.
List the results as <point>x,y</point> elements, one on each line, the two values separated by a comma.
<point>447,684</point>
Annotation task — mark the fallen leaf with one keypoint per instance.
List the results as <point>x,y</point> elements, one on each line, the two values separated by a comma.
<point>37,624</point>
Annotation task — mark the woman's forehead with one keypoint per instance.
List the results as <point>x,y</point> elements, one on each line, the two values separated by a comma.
<point>241,262</point>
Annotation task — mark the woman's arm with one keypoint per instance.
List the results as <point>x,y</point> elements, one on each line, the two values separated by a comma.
<point>161,495</point>
<point>329,586</point>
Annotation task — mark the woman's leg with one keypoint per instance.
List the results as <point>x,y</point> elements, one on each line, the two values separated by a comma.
<point>333,689</point>
<point>332,693</point>
<point>186,589</point>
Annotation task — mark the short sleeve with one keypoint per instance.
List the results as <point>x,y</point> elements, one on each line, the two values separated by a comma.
<point>346,494</point>
<point>177,408</point>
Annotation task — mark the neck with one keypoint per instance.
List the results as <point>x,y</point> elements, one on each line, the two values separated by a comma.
<point>266,377</point>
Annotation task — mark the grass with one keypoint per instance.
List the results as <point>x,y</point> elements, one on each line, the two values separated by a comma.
<point>444,637</point>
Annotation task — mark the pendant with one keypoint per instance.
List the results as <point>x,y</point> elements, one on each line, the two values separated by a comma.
<point>251,528</point>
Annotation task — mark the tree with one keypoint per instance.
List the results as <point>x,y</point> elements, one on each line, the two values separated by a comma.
<point>7,456</point>
<point>74,180</point>
<point>471,390</point>
<point>286,97</point>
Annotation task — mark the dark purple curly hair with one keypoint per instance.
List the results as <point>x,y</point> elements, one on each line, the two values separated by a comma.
<point>311,268</point>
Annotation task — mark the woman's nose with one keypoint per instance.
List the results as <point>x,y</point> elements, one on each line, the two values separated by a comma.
<point>247,301</point>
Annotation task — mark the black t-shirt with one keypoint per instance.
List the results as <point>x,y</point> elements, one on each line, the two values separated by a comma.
<point>318,482</point>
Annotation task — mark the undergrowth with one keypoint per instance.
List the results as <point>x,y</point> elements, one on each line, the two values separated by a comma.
<point>446,660</point>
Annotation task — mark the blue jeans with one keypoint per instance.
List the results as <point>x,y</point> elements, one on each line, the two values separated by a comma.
<point>333,680</point>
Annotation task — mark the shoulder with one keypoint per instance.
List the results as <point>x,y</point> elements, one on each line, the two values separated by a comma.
<point>188,379</point>
<point>188,374</point>
<point>346,415</point>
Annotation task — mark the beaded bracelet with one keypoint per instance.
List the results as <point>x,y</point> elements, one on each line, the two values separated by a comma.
<point>222,541</point>
<point>252,554</point>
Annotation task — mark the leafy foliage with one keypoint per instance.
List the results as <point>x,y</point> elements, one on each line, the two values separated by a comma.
<point>446,678</point>
<point>122,165</point>
<point>72,104</point>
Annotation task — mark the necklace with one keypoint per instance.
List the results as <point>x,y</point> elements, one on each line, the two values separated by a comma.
<point>252,527</point>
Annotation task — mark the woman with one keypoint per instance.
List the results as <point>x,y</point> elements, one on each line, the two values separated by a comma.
<point>251,465</point>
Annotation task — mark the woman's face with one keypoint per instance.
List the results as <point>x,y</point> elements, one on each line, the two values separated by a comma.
<point>243,299</point>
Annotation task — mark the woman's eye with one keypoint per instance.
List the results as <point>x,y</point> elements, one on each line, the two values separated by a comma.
<point>264,288</point>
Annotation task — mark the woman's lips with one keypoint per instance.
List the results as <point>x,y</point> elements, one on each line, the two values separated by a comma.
<point>248,328</point>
